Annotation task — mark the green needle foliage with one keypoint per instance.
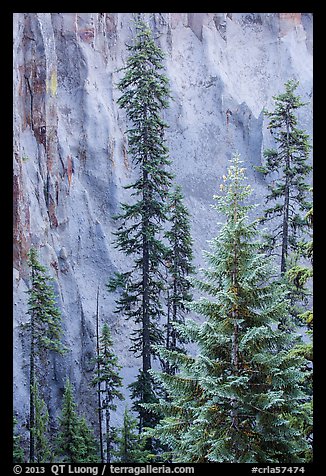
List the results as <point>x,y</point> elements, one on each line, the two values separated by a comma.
<point>297,277</point>
<point>179,268</point>
<point>89,447</point>
<point>288,165</point>
<point>144,95</point>
<point>45,315</point>
<point>41,428</point>
<point>44,329</point>
<point>18,452</point>
<point>130,444</point>
<point>235,399</point>
<point>108,381</point>
<point>75,442</point>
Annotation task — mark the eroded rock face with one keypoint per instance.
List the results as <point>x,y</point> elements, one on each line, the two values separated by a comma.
<point>70,150</point>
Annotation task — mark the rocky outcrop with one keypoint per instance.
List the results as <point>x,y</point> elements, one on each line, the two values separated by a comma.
<point>70,151</point>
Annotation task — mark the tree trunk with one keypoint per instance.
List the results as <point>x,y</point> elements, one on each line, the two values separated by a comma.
<point>31,386</point>
<point>234,315</point>
<point>108,430</point>
<point>168,332</point>
<point>146,317</point>
<point>174,303</point>
<point>146,344</point>
<point>98,373</point>
<point>235,364</point>
<point>285,226</point>
<point>31,394</point>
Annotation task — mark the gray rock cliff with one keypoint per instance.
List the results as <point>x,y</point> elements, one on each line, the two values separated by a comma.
<point>70,151</point>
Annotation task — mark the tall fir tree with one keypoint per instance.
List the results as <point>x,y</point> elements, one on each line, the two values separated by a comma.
<point>41,428</point>
<point>44,329</point>
<point>234,400</point>
<point>289,168</point>
<point>75,442</point>
<point>108,381</point>
<point>297,277</point>
<point>144,95</point>
<point>179,268</point>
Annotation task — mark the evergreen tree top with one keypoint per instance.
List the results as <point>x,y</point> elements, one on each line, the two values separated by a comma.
<point>145,42</point>
<point>143,84</point>
<point>108,368</point>
<point>106,338</point>
<point>234,191</point>
<point>34,263</point>
<point>285,105</point>
<point>42,307</point>
<point>75,442</point>
<point>288,96</point>
<point>69,404</point>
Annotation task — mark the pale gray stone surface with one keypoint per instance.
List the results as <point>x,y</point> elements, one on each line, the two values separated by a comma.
<point>70,151</point>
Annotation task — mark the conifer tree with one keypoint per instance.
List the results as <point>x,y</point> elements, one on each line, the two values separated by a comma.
<point>75,442</point>
<point>68,440</point>
<point>234,400</point>
<point>144,95</point>
<point>18,452</point>
<point>41,428</point>
<point>179,267</point>
<point>143,387</point>
<point>108,381</point>
<point>289,168</point>
<point>89,448</point>
<point>130,444</point>
<point>44,329</point>
<point>297,277</point>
